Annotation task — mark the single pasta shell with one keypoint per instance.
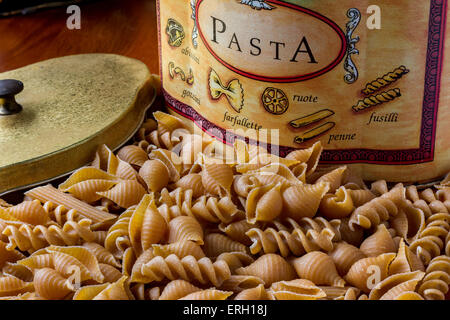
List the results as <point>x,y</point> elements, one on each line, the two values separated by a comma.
<point>270,268</point>
<point>409,295</point>
<point>87,190</point>
<point>258,293</point>
<point>236,260</point>
<point>319,268</point>
<point>303,200</point>
<point>378,243</point>
<point>216,244</point>
<point>10,286</point>
<point>353,237</point>
<point>270,205</point>
<point>344,255</point>
<point>239,283</point>
<point>67,265</point>
<point>396,284</point>
<point>154,228</point>
<point>171,160</point>
<point>50,285</point>
<point>84,174</point>
<point>299,289</point>
<point>375,268</point>
<point>38,261</point>
<point>185,228</point>
<point>217,179</point>
<point>177,289</point>
<point>8,255</point>
<point>180,248</point>
<point>405,261</point>
<point>133,155</point>
<point>243,184</point>
<point>31,212</point>
<point>334,178</point>
<point>309,156</point>
<point>193,182</point>
<point>125,194</point>
<point>338,205</point>
<point>209,294</point>
<point>167,122</point>
<point>361,197</point>
<point>155,175</point>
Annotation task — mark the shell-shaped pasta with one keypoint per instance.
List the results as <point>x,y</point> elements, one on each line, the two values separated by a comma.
<point>216,244</point>
<point>394,285</point>
<point>275,172</point>
<point>215,210</point>
<point>299,289</point>
<point>155,175</point>
<point>409,222</point>
<point>18,271</point>
<point>240,283</point>
<point>102,255</point>
<point>237,231</point>
<point>146,226</point>
<point>338,205</point>
<point>118,290</point>
<point>203,270</point>
<point>65,257</point>
<point>133,155</point>
<point>435,284</point>
<point>319,268</point>
<point>38,261</point>
<point>303,200</point>
<point>379,209</point>
<point>309,156</point>
<point>243,184</point>
<point>270,268</point>
<point>208,294</point>
<point>110,274</point>
<point>377,267</point>
<point>378,243</point>
<point>30,212</point>
<point>8,255</point>
<point>136,266</point>
<point>405,261</point>
<point>128,260</point>
<point>177,289</point>
<point>51,285</point>
<point>167,122</point>
<point>125,194</point>
<point>344,255</point>
<point>340,293</point>
<point>264,203</point>
<point>258,293</point>
<point>171,160</point>
<point>217,179</point>
<point>85,174</point>
<point>193,182</point>
<point>27,238</point>
<point>87,190</point>
<point>181,249</point>
<point>409,295</point>
<point>334,178</point>
<point>185,228</point>
<point>10,286</point>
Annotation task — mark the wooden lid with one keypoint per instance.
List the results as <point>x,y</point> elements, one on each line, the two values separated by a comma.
<point>70,105</point>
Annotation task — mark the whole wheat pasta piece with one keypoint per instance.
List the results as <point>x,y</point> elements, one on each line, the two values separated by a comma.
<point>319,268</point>
<point>155,175</point>
<point>334,178</point>
<point>236,260</point>
<point>133,155</point>
<point>216,244</point>
<point>379,209</point>
<point>340,293</point>
<point>8,255</point>
<point>405,261</point>
<point>30,212</point>
<point>215,210</point>
<point>177,289</point>
<point>302,201</point>
<point>118,237</point>
<point>431,241</point>
<point>236,230</point>
<point>360,197</point>
<point>102,255</point>
<point>185,228</point>
<point>344,255</point>
<point>107,161</point>
<point>378,243</point>
<point>119,290</point>
<point>208,294</point>
<point>17,270</point>
<point>354,237</point>
<point>258,293</point>
<point>270,268</point>
<point>310,156</point>
<point>298,289</point>
<point>202,271</point>
<point>264,203</point>
<point>167,132</point>
<point>29,238</point>
<point>60,214</point>
<point>435,284</point>
<point>51,285</point>
<point>338,205</point>
<point>409,222</point>
<point>11,286</point>
<point>49,193</point>
<point>395,285</point>
<point>181,249</point>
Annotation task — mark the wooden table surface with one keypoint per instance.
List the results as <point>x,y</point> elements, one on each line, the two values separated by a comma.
<point>107,26</point>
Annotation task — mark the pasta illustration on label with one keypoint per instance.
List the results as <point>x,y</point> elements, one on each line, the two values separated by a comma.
<point>233,91</point>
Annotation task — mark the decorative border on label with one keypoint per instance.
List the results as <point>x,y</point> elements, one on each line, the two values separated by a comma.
<point>425,153</point>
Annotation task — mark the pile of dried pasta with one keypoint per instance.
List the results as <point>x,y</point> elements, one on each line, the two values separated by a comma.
<point>176,216</point>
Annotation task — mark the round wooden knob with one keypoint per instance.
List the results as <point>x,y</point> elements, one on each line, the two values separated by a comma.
<point>8,89</point>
